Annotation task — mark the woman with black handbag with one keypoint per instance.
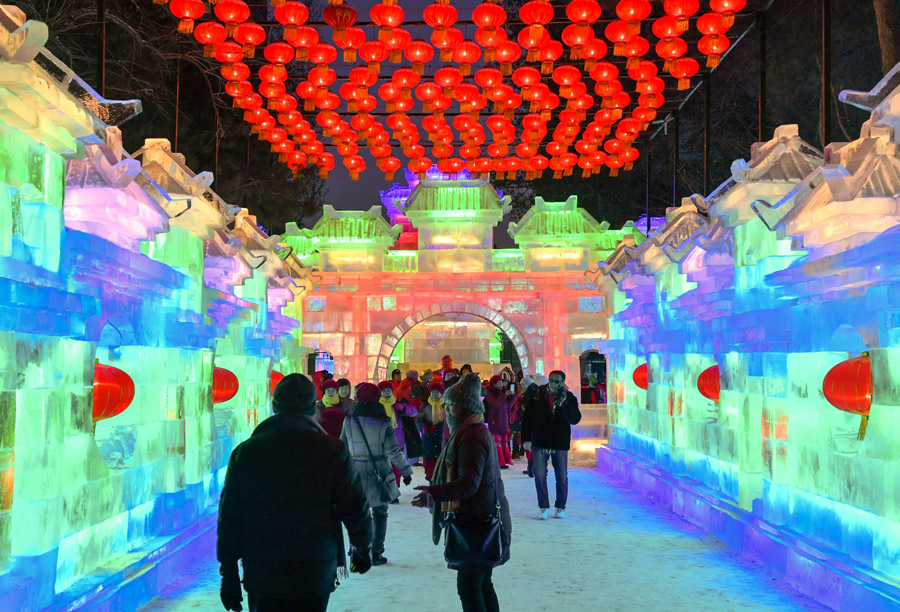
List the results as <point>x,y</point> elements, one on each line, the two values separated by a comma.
<point>470,504</point>
<point>369,435</point>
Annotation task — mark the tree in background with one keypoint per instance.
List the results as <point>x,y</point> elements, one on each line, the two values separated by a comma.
<point>147,58</point>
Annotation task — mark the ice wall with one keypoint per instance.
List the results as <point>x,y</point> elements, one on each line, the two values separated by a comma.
<point>786,270</point>
<point>133,262</point>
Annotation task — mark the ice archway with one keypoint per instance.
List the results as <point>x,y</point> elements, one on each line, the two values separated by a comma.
<point>390,340</point>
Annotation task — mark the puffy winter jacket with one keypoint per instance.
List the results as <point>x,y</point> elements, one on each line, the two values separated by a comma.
<point>550,427</point>
<point>497,405</point>
<point>478,486</point>
<point>369,418</point>
<point>287,490</point>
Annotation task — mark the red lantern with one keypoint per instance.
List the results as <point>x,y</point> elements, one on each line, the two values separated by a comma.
<point>641,376</point>
<point>487,79</point>
<point>340,17</point>
<point>576,37</point>
<point>355,164</point>
<point>291,14</point>
<point>565,77</point>
<point>536,14</point>
<point>550,51</point>
<point>708,383</point>
<point>249,35</point>
<point>224,385</point>
<point>229,53</point>
<point>303,39</point>
<point>583,12</point>
<point>446,41</point>
<point>440,17</point>
<point>325,162</point>
<point>396,41</point>
<point>617,33</point>
<point>670,49</point>
<point>231,13</point>
<point>713,47</point>
<point>113,392</point>
<point>507,53</point>
<point>684,69</point>
<point>633,12</point>
<point>711,24</point>
<point>406,79</point>
<point>848,387</point>
<point>322,54</point>
<point>465,55</point>
<point>235,72</point>
<point>635,49</point>
<point>210,34</point>
<point>389,165</point>
<point>682,11</point>
<point>592,52</point>
<point>489,16</point>
<point>448,78</point>
<point>727,8</point>
<point>373,52</point>
<point>350,42</point>
<point>187,11</point>
<point>275,377</point>
<point>489,40</point>
<point>419,53</point>
<point>386,16</point>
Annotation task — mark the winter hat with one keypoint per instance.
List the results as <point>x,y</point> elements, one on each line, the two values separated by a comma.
<point>295,393</point>
<point>396,371</point>
<point>541,380</point>
<point>436,386</point>
<point>330,384</point>
<point>495,379</point>
<point>527,382</point>
<point>367,392</point>
<point>447,361</point>
<point>427,375</point>
<point>385,384</point>
<point>413,375</point>
<point>466,392</point>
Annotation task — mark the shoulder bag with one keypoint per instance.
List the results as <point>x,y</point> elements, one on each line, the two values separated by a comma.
<point>384,489</point>
<point>474,542</point>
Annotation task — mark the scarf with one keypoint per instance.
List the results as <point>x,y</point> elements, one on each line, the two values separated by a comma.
<point>445,470</point>
<point>437,410</point>
<point>388,403</point>
<point>330,400</point>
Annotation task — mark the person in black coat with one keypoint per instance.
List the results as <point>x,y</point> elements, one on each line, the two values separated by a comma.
<point>287,491</point>
<point>547,432</point>
<point>467,481</point>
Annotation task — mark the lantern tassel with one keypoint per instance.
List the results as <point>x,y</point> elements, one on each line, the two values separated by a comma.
<point>186,26</point>
<point>863,424</point>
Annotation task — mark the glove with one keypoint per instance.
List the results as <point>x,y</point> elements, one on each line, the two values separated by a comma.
<point>230,588</point>
<point>360,562</point>
<point>526,446</point>
<point>407,480</point>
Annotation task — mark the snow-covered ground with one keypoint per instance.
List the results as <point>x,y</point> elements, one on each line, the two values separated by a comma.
<point>613,551</point>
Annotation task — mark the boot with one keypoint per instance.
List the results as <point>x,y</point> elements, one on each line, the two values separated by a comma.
<point>378,559</point>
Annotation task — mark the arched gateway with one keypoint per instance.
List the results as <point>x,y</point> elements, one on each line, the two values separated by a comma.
<point>378,279</point>
<point>390,340</point>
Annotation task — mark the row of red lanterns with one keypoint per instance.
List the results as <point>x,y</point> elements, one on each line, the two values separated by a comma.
<point>113,389</point>
<point>847,386</point>
<point>302,43</point>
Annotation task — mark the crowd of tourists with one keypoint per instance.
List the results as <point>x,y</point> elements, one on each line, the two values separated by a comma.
<point>342,451</point>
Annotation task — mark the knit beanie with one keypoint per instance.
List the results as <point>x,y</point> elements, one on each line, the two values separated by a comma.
<point>330,384</point>
<point>367,392</point>
<point>412,375</point>
<point>385,384</point>
<point>436,386</point>
<point>295,393</point>
<point>427,376</point>
<point>541,380</point>
<point>495,379</point>
<point>466,392</point>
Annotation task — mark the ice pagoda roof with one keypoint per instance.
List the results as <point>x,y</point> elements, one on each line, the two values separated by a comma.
<point>560,224</point>
<point>473,199</point>
<point>353,229</point>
